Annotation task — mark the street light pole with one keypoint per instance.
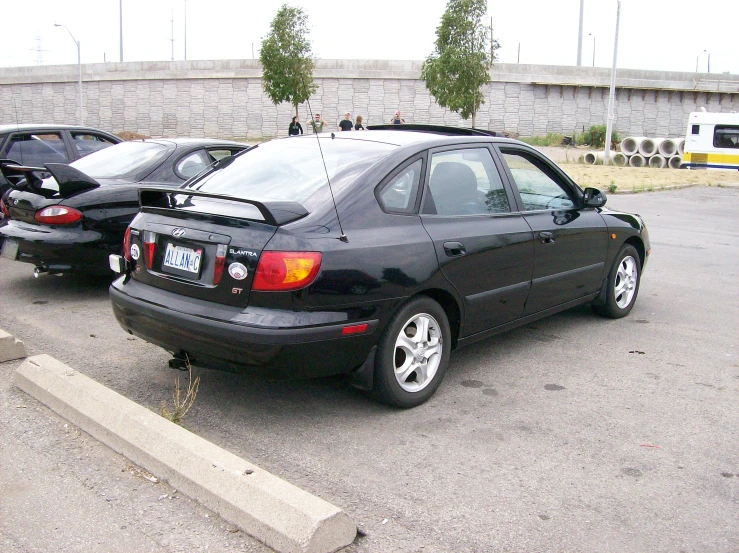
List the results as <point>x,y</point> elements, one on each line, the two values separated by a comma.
<point>698,59</point>
<point>591,34</point>
<point>579,35</point>
<point>612,95</point>
<point>79,73</point>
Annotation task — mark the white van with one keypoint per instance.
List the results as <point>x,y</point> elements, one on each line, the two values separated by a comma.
<point>712,141</point>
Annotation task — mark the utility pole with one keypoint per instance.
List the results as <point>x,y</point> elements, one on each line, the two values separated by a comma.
<point>579,35</point>
<point>120,11</point>
<point>518,60</point>
<point>172,39</point>
<point>185,30</point>
<point>492,44</point>
<point>612,96</point>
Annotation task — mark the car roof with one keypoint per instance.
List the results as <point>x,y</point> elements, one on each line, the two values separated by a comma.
<point>193,142</point>
<point>39,127</point>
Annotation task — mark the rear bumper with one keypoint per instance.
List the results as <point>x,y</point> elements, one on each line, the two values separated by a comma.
<point>282,348</point>
<point>60,249</point>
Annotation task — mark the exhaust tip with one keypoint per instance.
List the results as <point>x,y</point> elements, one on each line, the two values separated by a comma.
<point>37,271</point>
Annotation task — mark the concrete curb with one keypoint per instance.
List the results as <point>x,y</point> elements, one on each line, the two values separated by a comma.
<point>10,348</point>
<point>275,512</point>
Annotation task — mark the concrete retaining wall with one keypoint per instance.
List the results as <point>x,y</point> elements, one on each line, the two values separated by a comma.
<point>225,99</point>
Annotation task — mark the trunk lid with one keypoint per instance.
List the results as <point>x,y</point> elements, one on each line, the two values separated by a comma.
<point>181,240</point>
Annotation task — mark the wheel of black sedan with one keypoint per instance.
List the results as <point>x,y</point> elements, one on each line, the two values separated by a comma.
<point>623,284</point>
<point>413,354</point>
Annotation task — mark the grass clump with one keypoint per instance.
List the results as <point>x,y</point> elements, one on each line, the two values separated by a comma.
<point>181,401</point>
<point>612,187</point>
<point>551,139</point>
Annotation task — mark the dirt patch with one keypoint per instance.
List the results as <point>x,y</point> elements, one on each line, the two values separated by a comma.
<point>645,178</point>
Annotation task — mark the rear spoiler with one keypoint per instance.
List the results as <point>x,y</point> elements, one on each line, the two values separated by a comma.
<point>70,180</point>
<point>274,212</point>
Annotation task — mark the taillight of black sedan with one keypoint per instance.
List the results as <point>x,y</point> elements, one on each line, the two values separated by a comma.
<point>374,255</point>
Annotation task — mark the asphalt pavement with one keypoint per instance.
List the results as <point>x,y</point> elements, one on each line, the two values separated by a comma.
<point>575,433</point>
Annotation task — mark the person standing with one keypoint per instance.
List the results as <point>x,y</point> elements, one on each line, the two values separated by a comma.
<point>397,119</point>
<point>346,123</point>
<point>316,123</point>
<point>358,125</point>
<point>295,127</point>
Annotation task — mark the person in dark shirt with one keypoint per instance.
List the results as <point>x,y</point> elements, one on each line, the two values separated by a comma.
<point>295,127</point>
<point>397,119</point>
<point>358,125</point>
<point>346,123</point>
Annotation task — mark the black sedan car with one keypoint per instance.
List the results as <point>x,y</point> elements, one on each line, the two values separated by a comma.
<point>375,255</point>
<point>64,218</point>
<point>35,145</point>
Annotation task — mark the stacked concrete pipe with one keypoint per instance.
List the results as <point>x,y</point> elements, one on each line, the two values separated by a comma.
<point>630,144</point>
<point>650,146</point>
<point>657,161</point>
<point>593,158</point>
<point>637,160</point>
<point>620,159</point>
<point>675,161</point>
<point>668,148</point>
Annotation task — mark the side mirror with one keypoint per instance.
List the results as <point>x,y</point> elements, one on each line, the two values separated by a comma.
<point>592,197</point>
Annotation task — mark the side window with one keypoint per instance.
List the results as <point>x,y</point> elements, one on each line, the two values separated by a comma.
<point>695,129</point>
<point>538,190</point>
<point>86,143</point>
<point>465,182</point>
<point>192,164</point>
<point>726,136</point>
<point>218,155</point>
<point>399,194</point>
<point>36,149</point>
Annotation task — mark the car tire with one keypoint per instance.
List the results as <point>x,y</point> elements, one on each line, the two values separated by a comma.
<point>409,366</point>
<point>623,284</point>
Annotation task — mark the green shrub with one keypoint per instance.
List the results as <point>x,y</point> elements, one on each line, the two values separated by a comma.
<point>612,187</point>
<point>596,137</point>
<point>551,139</point>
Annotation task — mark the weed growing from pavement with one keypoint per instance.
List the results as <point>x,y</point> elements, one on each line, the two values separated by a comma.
<point>612,187</point>
<point>181,403</point>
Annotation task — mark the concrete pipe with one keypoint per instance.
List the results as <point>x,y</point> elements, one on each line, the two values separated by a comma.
<point>657,161</point>
<point>592,158</point>
<point>637,160</point>
<point>668,148</point>
<point>619,159</point>
<point>675,161</point>
<point>681,146</point>
<point>650,146</point>
<point>630,144</point>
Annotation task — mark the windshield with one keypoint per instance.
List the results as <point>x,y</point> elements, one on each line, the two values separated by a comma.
<point>122,160</point>
<point>291,168</point>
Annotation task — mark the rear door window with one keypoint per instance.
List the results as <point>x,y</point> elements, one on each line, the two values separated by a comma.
<point>87,142</point>
<point>465,182</point>
<point>36,149</point>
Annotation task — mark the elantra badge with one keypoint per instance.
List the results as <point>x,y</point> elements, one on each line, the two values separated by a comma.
<point>237,271</point>
<point>178,232</point>
<point>135,252</point>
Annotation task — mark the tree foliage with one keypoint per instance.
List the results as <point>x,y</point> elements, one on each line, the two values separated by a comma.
<point>286,57</point>
<point>458,67</point>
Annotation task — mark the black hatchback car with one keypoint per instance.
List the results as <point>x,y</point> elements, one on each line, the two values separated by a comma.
<point>374,255</point>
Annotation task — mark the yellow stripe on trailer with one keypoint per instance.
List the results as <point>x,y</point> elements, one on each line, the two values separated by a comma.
<point>711,159</point>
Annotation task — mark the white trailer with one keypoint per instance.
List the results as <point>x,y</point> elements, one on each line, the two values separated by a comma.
<point>712,141</point>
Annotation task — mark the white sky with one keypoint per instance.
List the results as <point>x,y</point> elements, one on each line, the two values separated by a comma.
<point>654,34</point>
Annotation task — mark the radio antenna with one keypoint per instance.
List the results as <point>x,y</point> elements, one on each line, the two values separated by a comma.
<point>343,237</point>
<point>18,129</point>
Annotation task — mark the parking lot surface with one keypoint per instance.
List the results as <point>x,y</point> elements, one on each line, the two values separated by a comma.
<point>575,433</point>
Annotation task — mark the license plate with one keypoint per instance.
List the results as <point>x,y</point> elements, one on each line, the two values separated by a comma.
<point>9,249</point>
<point>183,259</point>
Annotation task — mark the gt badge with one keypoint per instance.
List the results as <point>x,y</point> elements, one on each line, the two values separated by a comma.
<point>237,271</point>
<point>135,252</point>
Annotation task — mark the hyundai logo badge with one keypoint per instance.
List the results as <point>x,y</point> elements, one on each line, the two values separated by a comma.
<point>178,232</point>
<point>237,271</point>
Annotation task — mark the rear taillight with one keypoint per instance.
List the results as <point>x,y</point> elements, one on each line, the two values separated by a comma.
<point>58,215</point>
<point>127,244</point>
<point>150,239</point>
<point>283,271</point>
<point>4,209</point>
<point>220,262</point>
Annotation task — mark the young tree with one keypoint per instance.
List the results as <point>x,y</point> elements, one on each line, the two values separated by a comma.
<point>287,60</point>
<point>459,64</point>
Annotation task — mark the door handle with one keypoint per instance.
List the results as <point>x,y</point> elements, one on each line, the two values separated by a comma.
<point>454,249</point>
<point>546,237</point>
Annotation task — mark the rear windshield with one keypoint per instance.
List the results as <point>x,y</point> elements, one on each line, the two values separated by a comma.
<point>291,168</point>
<point>122,160</point>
